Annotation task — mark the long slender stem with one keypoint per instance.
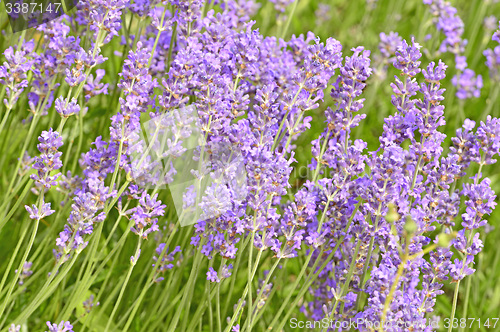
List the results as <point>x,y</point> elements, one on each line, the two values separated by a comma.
<point>305,287</point>
<point>171,46</point>
<point>160,30</point>
<point>491,101</point>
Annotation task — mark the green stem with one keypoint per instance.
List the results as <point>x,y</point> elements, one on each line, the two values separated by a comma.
<point>171,45</point>
<point>245,291</point>
<point>466,300</point>
<point>457,285</point>
<point>477,20</point>
<point>249,278</point>
<point>80,140</point>
<point>19,201</point>
<point>31,130</point>
<point>233,279</point>
<point>47,289</point>
<point>454,305</point>
<point>388,299</point>
<point>278,133</point>
<point>199,311</point>
<point>210,311</point>
<point>151,276</point>
<point>311,279</point>
<point>320,157</point>
<point>118,160</point>
<point>160,30</point>
<point>4,120</point>
<point>124,285</point>
<point>217,306</point>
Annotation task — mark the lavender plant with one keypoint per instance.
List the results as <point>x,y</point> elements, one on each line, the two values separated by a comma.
<point>165,192</point>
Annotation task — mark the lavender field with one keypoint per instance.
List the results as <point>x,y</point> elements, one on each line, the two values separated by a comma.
<point>244,165</point>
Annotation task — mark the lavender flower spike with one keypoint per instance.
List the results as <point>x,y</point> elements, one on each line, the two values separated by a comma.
<point>49,160</point>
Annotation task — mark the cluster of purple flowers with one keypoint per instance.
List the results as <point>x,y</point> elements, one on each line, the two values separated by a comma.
<point>367,221</point>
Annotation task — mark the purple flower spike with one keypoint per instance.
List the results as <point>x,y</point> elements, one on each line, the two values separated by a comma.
<point>480,201</point>
<point>488,136</point>
<point>468,84</point>
<point>351,82</point>
<point>450,24</point>
<point>493,57</point>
